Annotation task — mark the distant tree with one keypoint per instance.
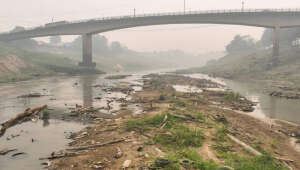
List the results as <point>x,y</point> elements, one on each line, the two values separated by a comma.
<point>241,44</point>
<point>116,48</point>
<point>28,44</point>
<point>55,40</point>
<point>287,36</point>
<point>101,46</point>
<point>17,29</point>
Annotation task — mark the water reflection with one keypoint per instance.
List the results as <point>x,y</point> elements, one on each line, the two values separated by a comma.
<point>272,107</point>
<point>87,89</point>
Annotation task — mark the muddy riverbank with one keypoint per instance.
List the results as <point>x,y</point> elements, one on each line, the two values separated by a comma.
<point>196,129</point>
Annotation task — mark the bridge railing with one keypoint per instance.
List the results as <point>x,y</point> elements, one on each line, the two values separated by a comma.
<point>227,11</point>
<point>191,13</point>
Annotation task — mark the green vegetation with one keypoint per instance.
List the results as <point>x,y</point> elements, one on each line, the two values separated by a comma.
<point>265,162</point>
<point>178,102</point>
<point>143,125</point>
<point>28,64</point>
<point>180,137</point>
<point>180,142</point>
<point>224,150</point>
<point>188,159</point>
<point>232,96</point>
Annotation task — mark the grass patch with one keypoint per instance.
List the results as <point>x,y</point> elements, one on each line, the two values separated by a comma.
<point>179,137</point>
<point>178,103</point>
<point>143,125</point>
<point>199,116</point>
<point>196,161</point>
<point>188,159</point>
<point>264,162</point>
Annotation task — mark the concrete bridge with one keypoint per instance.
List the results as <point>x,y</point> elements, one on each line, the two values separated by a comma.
<point>268,18</point>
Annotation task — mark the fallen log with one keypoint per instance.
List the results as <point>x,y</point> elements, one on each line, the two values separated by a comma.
<point>96,146</point>
<point>245,146</point>
<point>20,117</point>
<point>284,159</point>
<point>164,122</point>
<point>6,151</point>
<point>59,156</point>
<point>184,117</point>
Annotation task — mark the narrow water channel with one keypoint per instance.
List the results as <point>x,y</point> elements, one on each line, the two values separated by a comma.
<point>267,106</point>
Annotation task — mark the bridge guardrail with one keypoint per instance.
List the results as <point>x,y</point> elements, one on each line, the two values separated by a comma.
<point>170,14</point>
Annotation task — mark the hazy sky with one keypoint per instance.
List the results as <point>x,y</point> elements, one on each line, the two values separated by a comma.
<point>191,38</point>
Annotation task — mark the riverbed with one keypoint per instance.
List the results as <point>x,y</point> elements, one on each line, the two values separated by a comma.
<point>39,138</point>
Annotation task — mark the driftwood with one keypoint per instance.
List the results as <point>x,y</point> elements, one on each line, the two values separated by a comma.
<point>188,118</point>
<point>96,146</point>
<point>284,159</point>
<point>20,117</point>
<point>256,153</point>
<point>245,146</point>
<point>6,151</point>
<point>164,122</point>
<point>57,156</point>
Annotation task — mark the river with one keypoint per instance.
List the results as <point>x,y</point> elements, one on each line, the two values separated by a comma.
<point>39,138</point>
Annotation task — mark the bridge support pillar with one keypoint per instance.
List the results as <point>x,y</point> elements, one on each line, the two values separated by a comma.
<point>276,41</point>
<point>276,47</point>
<point>87,51</point>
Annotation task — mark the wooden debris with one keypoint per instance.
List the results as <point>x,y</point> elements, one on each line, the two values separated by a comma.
<point>17,154</point>
<point>97,145</point>
<point>184,117</point>
<point>164,122</point>
<point>284,159</point>
<point>20,117</point>
<point>62,155</point>
<point>118,154</point>
<point>6,151</point>
<point>126,164</point>
<point>245,146</point>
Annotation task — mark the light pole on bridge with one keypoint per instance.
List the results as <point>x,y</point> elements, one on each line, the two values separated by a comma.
<point>184,6</point>
<point>243,6</point>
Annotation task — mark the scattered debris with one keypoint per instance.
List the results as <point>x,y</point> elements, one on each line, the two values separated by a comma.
<point>115,77</point>
<point>17,154</point>
<point>162,162</point>
<point>245,146</point>
<point>97,145</point>
<point>118,154</point>
<point>140,149</point>
<point>98,165</point>
<point>20,118</point>
<point>6,151</point>
<point>31,95</point>
<point>126,164</point>
<point>60,155</point>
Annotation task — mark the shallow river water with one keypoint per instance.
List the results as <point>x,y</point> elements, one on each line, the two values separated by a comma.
<point>50,134</point>
<point>39,138</point>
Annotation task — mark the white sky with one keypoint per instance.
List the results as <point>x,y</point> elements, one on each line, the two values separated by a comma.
<point>191,38</point>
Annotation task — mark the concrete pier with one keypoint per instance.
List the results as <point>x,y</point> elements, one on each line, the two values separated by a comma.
<point>276,41</point>
<point>87,51</point>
